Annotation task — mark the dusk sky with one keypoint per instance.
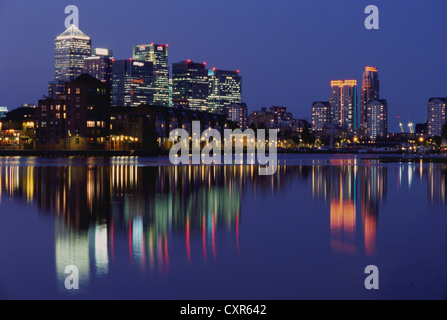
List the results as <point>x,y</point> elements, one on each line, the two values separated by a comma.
<point>287,50</point>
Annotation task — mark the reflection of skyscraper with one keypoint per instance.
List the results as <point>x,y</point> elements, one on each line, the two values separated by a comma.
<point>71,248</point>
<point>100,248</point>
<point>373,188</point>
<point>340,184</point>
<point>103,210</point>
<point>437,184</point>
<point>343,209</point>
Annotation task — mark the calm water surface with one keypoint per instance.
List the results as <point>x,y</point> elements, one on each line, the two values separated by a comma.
<point>138,228</point>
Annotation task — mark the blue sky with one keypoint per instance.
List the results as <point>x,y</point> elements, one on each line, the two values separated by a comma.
<point>287,50</point>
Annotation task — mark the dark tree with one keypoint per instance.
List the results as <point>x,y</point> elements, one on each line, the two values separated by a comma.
<point>307,137</point>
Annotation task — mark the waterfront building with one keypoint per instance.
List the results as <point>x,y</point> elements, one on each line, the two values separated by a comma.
<point>377,119</point>
<point>344,104</point>
<point>321,115</point>
<point>436,116</point>
<point>370,91</point>
<point>80,121</point>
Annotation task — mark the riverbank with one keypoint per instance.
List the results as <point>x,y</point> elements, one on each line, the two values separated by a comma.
<point>83,153</point>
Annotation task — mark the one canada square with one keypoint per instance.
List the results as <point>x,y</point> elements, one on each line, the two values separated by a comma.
<point>70,49</point>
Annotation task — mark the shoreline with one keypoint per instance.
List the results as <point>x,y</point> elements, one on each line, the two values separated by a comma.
<point>384,157</point>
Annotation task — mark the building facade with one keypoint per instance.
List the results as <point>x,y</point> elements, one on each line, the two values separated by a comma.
<point>70,49</point>
<point>225,89</point>
<point>370,91</point>
<point>436,116</point>
<point>190,83</point>
<point>344,104</point>
<point>3,111</point>
<point>377,119</point>
<point>99,65</point>
<point>237,112</point>
<point>132,82</point>
<point>78,120</point>
<point>157,54</point>
<point>149,126</point>
<point>321,115</point>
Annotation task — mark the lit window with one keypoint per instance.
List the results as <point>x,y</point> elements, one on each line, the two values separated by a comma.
<point>90,124</point>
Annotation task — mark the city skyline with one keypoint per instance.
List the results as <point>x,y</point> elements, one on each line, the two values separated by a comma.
<point>242,50</point>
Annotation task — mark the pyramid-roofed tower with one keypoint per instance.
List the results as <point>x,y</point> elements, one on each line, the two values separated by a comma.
<point>71,48</point>
<point>73,32</point>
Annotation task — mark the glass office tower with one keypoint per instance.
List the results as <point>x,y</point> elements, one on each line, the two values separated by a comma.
<point>132,82</point>
<point>190,85</point>
<point>99,65</point>
<point>158,55</point>
<point>225,89</point>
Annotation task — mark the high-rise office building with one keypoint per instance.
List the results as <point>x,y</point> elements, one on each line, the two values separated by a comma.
<point>321,115</point>
<point>132,83</point>
<point>344,104</point>
<point>370,91</point>
<point>190,84</point>
<point>70,49</point>
<point>436,116</point>
<point>158,55</point>
<point>225,89</point>
<point>99,65</point>
<point>377,119</point>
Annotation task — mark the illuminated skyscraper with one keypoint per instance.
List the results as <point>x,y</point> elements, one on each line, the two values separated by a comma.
<point>436,116</point>
<point>321,115</point>
<point>158,55</point>
<point>377,119</point>
<point>344,105</point>
<point>70,49</point>
<point>99,65</point>
<point>132,83</point>
<point>370,91</point>
<point>190,84</point>
<point>225,89</point>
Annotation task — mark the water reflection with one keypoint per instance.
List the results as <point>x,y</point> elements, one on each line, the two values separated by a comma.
<point>97,209</point>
